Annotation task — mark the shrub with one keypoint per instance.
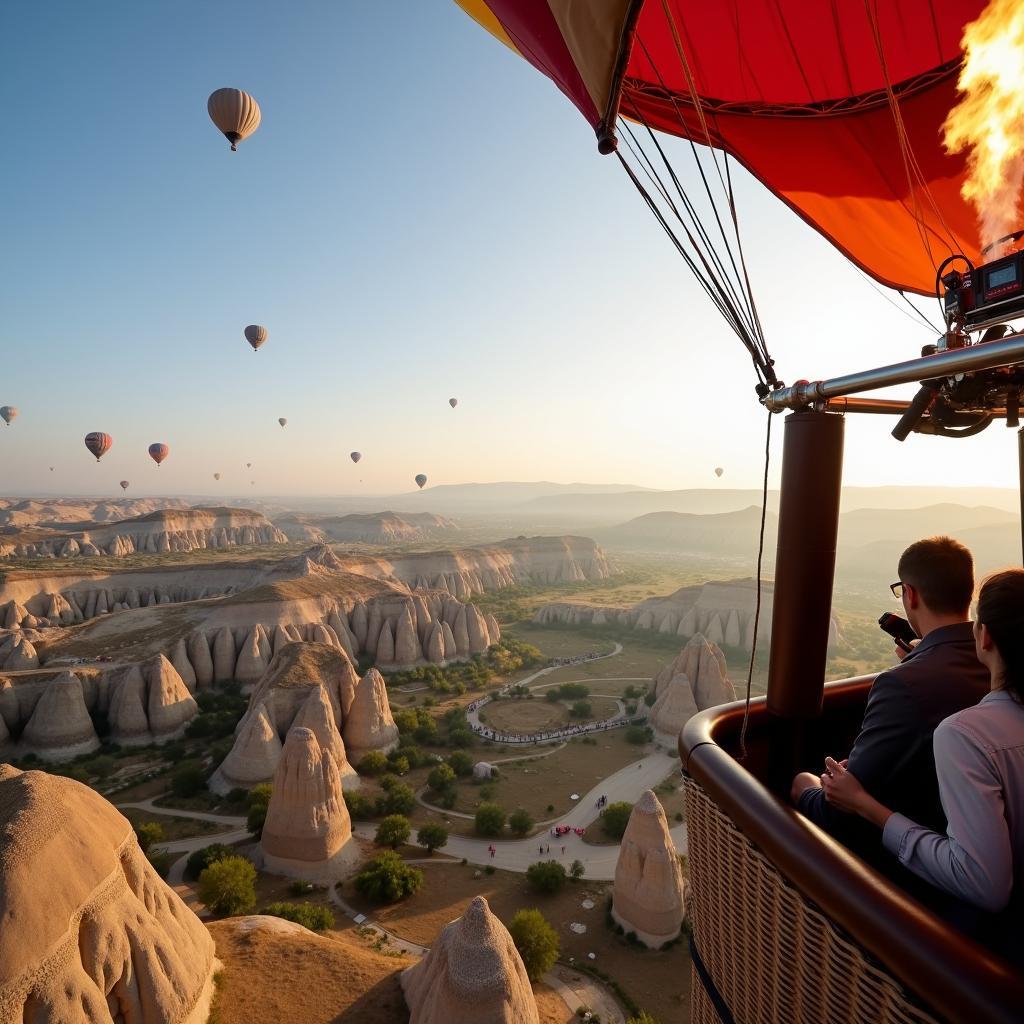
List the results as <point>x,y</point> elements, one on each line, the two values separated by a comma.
<point>102,766</point>
<point>581,709</point>
<point>547,876</point>
<point>228,886</point>
<point>460,762</point>
<point>148,833</point>
<point>536,941</point>
<point>490,819</point>
<point>649,699</point>
<point>399,765</point>
<point>552,696</point>
<point>432,836</point>
<point>312,916</point>
<point>615,817</point>
<point>638,734</point>
<point>259,801</point>
<point>441,778</point>
<point>551,809</point>
<point>387,879</point>
<point>392,831</point>
<point>643,1017</point>
<point>359,806</point>
<point>300,888</point>
<point>161,861</point>
<point>630,691</point>
<point>373,763</point>
<point>461,737</point>
<point>188,779</point>
<point>406,720</point>
<point>415,757</point>
<point>577,869</point>
<point>447,799</point>
<point>574,691</point>
<point>202,859</point>
<point>398,799</point>
<point>520,822</point>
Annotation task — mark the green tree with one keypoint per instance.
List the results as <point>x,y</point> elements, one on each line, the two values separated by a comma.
<point>188,779</point>
<point>581,709</point>
<point>574,691</point>
<point>615,818</point>
<point>432,836</point>
<point>399,765</point>
<point>228,886</point>
<point>359,806</point>
<point>643,1017</point>
<point>546,876</point>
<point>397,799</point>
<point>649,699</point>
<point>406,721</point>
<point>536,941</point>
<point>373,763</point>
<point>310,915</point>
<point>441,778</point>
<point>553,696</point>
<point>461,737</point>
<point>520,822</point>
<point>392,831</point>
<point>490,819</point>
<point>259,801</point>
<point>387,879</point>
<point>461,763</point>
<point>202,859</point>
<point>577,870</point>
<point>638,734</point>
<point>148,833</point>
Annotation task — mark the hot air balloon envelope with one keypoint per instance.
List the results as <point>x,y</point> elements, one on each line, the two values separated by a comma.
<point>795,91</point>
<point>719,471</point>
<point>420,480</point>
<point>235,113</point>
<point>8,413</point>
<point>255,335</point>
<point>453,402</point>
<point>98,443</point>
<point>124,485</point>
<point>355,456</point>
<point>159,452</point>
<point>282,421</point>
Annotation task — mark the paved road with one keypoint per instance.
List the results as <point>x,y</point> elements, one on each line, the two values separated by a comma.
<point>518,854</point>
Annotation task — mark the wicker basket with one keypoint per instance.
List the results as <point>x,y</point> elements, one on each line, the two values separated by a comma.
<point>772,955</point>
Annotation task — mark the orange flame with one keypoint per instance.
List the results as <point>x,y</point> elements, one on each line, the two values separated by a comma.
<point>989,119</point>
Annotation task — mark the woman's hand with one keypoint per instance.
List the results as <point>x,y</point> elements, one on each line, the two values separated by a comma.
<point>844,791</point>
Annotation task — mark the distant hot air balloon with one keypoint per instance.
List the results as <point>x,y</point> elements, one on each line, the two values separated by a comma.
<point>124,485</point>
<point>421,480</point>
<point>158,452</point>
<point>282,421</point>
<point>248,465</point>
<point>355,456</point>
<point>51,469</point>
<point>453,402</point>
<point>253,482</point>
<point>216,476</point>
<point>719,471</point>
<point>98,443</point>
<point>255,335</point>
<point>8,413</point>
<point>235,113</point>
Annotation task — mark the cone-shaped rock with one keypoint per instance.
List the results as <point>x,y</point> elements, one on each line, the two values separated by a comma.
<point>202,661</point>
<point>95,934</point>
<point>435,644</point>
<point>183,666</point>
<point>279,639</point>
<point>346,682</point>
<point>254,756</point>
<point>129,723</point>
<point>359,622</point>
<point>648,894</point>
<point>373,627</point>
<point>450,650</point>
<point>169,706</point>
<point>307,819</point>
<point>22,655</point>
<point>407,643</point>
<point>386,645</point>
<point>60,727</point>
<point>223,656</point>
<point>317,716</point>
<point>674,708</point>
<point>460,631</point>
<point>712,686</point>
<point>369,725</point>
<point>473,974</point>
<point>477,628</point>
<point>494,630</point>
<point>251,663</point>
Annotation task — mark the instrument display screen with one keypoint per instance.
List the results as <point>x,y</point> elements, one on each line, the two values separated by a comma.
<point>1004,275</point>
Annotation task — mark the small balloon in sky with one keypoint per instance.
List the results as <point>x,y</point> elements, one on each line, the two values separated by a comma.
<point>453,402</point>
<point>282,420</point>
<point>248,465</point>
<point>421,480</point>
<point>719,471</point>
<point>216,476</point>
<point>235,113</point>
<point>355,456</point>
<point>8,413</point>
<point>255,335</point>
<point>158,452</point>
<point>98,443</point>
<point>124,485</point>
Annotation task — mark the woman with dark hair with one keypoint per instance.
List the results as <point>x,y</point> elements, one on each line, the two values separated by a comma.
<point>979,760</point>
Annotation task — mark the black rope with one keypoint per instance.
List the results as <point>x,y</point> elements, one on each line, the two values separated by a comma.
<point>757,604</point>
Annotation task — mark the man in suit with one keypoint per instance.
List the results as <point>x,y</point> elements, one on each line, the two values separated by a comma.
<point>892,755</point>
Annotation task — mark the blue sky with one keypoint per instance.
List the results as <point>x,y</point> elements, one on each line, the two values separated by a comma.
<point>421,215</point>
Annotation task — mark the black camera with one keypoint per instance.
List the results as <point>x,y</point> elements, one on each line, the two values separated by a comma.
<point>898,628</point>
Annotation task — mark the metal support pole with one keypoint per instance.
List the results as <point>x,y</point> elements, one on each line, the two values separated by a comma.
<point>812,469</point>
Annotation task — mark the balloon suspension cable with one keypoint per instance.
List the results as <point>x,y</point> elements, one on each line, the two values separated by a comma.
<point>712,251</point>
<point>757,601</point>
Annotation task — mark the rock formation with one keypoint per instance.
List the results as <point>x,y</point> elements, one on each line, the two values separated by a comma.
<point>317,716</point>
<point>307,824</point>
<point>369,725</point>
<point>21,656</point>
<point>696,679</point>
<point>254,756</point>
<point>365,528</point>
<point>91,932</point>
<point>253,660</point>
<point>169,705</point>
<point>473,974</point>
<point>60,727</point>
<point>673,708</point>
<point>647,897</point>
<point>129,724</point>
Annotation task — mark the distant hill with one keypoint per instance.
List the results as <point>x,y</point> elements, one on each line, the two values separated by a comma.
<point>726,533</point>
<point>506,493</point>
<point>367,528</point>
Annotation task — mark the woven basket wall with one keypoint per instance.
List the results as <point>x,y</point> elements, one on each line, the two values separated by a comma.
<point>773,956</point>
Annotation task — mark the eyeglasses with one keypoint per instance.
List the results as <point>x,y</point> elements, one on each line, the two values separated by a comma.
<point>897,589</point>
